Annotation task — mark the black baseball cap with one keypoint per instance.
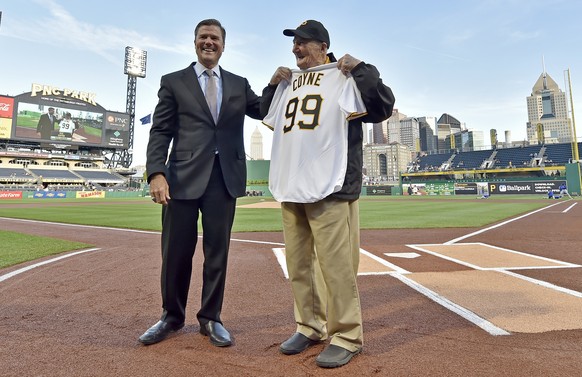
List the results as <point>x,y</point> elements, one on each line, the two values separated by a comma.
<point>309,29</point>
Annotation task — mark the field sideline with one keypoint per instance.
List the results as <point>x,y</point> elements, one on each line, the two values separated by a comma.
<point>253,215</point>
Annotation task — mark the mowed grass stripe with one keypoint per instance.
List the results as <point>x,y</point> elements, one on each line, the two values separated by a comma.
<point>386,213</point>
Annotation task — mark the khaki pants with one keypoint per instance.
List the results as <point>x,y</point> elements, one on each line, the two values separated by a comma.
<point>322,247</point>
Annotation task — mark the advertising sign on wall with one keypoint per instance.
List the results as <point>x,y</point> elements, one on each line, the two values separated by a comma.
<point>6,110</point>
<point>532,187</point>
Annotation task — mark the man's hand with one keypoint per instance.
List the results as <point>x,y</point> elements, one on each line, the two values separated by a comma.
<point>282,73</point>
<point>347,63</point>
<point>159,189</point>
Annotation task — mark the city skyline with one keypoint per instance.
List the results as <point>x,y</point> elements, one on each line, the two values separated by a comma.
<point>475,61</point>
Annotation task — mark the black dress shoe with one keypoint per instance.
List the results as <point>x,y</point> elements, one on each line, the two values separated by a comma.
<point>217,334</point>
<point>335,356</point>
<point>296,344</point>
<point>159,332</point>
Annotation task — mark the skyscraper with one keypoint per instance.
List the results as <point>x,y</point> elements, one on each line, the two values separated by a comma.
<point>410,133</point>
<point>447,125</point>
<point>257,145</point>
<point>427,128</point>
<point>547,113</point>
<point>380,133</point>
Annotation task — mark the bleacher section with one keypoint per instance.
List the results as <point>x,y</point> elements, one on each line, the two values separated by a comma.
<point>470,160</point>
<point>101,177</point>
<point>558,154</point>
<point>14,175</point>
<point>55,174</point>
<point>432,162</point>
<point>34,175</point>
<point>516,157</point>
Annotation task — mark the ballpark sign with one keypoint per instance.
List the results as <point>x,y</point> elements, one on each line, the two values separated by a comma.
<point>48,90</point>
<point>530,187</point>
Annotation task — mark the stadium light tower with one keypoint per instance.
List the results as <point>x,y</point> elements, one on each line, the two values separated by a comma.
<point>135,66</point>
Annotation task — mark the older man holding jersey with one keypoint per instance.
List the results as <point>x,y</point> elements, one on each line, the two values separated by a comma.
<point>316,113</point>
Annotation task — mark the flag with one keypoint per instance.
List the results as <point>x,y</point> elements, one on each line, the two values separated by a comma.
<point>147,119</point>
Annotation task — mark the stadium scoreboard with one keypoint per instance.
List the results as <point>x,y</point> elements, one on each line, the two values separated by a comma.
<point>93,125</point>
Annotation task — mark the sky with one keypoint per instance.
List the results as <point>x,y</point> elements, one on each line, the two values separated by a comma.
<point>474,60</point>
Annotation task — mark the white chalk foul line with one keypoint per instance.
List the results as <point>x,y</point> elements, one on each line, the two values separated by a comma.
<point>280,255</point>
<point>399,274</point>
<point>569,208</point>
<point>28,268</point>
<point>459,310</point>
<point>497,225</point>
<point>122,229</point>
<point>80,226</point>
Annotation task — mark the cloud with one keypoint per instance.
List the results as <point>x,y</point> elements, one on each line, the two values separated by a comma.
<point>519,36</point>
<point>459,37</point>
<point>438,53</point>
<point>58,27</point>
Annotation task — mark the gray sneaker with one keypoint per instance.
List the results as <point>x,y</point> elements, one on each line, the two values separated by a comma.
<point>297,343</point>
<point>335,356</point>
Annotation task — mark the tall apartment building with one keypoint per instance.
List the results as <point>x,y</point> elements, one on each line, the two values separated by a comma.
<point>547,113</point>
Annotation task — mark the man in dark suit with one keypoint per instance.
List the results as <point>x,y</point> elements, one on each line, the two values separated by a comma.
<point>46,124</point>
<point>205,173</point>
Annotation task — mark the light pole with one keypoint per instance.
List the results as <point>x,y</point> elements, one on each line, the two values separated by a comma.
<point>575,154</point>
<point>134,67</point>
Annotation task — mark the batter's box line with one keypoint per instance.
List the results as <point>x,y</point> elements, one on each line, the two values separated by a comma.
<point>542,283</point>
<point>455,308</point>
<point>400,275</point>
<point>280,255</point>
<point>475,267</point>
<point>507,270</point>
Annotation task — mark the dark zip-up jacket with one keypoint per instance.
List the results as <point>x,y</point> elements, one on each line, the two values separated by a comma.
<point>379,101</point>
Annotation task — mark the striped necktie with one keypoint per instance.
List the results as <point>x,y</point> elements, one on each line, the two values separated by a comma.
<point>211,94</point>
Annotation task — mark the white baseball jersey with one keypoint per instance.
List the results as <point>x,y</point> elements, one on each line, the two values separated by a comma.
<point>309,116</point>
<point>67,126</point>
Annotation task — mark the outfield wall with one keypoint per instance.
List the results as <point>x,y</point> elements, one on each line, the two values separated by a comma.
<point>505,187</point>
<point>9,195</point>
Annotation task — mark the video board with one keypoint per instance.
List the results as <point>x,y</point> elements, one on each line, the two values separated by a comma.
<point>50,115</point>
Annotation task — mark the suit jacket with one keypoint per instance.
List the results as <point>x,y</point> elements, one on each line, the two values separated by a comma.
<point>182,117</point>
<point>45,126</point>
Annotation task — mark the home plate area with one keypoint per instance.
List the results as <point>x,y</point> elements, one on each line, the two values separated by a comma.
<point>488,290</point>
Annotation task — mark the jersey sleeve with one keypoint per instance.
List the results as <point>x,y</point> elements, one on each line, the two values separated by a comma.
<point>351,102</point>
<point>277,106</point>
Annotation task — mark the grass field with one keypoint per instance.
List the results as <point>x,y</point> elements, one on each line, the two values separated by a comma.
<point>18,248</point>
<point>396,212</point>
